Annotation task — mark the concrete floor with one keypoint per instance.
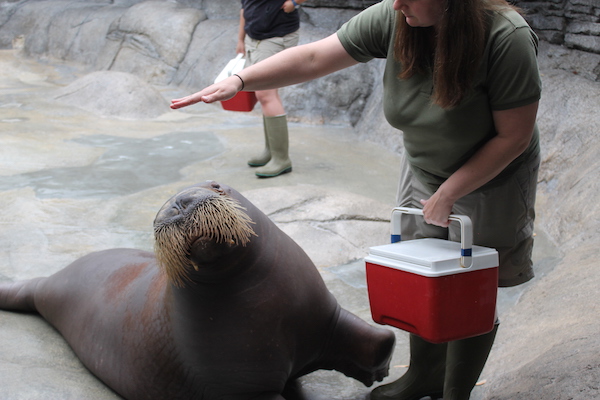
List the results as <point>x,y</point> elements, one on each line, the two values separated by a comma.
<point>72,182</point>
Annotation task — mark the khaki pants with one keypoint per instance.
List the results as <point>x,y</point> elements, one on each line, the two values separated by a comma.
<point>258,50</point>
<point>502,218</point>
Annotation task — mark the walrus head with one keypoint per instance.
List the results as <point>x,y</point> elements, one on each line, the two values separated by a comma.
<point>196,226</point>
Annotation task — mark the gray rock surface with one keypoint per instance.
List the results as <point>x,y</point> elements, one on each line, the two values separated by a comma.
<point>97,91</point>
<point>548,346</point>
<point>325,222</point>
<point>169,43</point>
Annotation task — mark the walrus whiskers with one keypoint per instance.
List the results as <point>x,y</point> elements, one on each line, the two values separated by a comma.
<point>220,219</point>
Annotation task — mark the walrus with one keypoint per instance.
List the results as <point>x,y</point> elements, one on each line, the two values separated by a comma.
<point>227,307</point>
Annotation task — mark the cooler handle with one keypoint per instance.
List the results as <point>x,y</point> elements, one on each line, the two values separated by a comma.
<point>466,232</point>
<point>235,67</point>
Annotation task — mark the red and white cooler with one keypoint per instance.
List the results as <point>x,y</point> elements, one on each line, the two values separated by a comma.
<point>437,289</point>
<point>242,101</point>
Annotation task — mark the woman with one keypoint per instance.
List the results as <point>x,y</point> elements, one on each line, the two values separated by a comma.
<point>462,83</point>
<point>266,28</point>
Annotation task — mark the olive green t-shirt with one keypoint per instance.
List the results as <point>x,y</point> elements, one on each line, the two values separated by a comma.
<point>439,141</point>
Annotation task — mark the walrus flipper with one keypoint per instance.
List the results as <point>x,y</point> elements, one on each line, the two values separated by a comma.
<point>359,350</point>
<point>18,296</point>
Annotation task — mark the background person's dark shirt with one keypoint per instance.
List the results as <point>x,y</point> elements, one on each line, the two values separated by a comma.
<point>265,19</point>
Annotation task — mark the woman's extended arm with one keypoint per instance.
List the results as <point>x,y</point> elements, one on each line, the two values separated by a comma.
<point>515,129</point>
<point>294,65</point>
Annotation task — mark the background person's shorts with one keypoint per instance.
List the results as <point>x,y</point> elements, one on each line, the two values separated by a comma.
<point>258,50</point>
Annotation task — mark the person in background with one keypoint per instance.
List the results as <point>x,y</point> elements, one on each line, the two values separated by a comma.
<point>266,28</point>
<point>462,83</point>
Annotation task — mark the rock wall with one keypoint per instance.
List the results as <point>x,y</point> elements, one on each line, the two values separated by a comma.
<point>170,43</point>
<point>573,23</point>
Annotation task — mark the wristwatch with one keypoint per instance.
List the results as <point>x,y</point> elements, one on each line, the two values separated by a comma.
<point>296,5</point>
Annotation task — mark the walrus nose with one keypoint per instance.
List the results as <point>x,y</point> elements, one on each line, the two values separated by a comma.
<point>190,198</point>
<point>187,200</point>
<point>183,202</point>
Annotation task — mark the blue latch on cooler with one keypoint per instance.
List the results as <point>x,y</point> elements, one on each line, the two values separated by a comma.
<point>466,232</point>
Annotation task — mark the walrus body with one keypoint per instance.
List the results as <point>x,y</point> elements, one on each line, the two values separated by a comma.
<point>240,320</point>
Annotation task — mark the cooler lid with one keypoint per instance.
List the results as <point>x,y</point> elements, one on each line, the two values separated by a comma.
<point>431,257</point>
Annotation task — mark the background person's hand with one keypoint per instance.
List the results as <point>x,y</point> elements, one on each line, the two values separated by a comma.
<point>288,6</point>
<point>240,48</point>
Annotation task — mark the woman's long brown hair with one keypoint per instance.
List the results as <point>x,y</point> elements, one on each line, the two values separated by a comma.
<point>451,52</point>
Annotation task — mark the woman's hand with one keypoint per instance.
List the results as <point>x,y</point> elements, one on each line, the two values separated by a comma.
<point>436,210</point>
<point>220,91</point>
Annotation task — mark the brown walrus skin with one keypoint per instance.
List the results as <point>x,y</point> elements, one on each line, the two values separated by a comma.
<point>242,323</point>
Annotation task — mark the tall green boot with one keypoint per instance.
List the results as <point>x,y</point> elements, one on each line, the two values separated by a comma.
<point>277,133</point>
<point>266,154</point>
<point>464,362</point>
<point>424,377</point>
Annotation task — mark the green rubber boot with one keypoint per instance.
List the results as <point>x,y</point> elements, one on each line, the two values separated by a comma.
<point>266,154</point>
<point>464,362</point>
<point>277,133</point>
<point>424,377</point>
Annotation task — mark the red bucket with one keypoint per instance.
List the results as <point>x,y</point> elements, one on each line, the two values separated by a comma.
<point>242,101</point>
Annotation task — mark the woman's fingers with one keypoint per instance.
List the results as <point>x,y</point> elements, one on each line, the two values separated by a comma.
<point>218,92</point>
